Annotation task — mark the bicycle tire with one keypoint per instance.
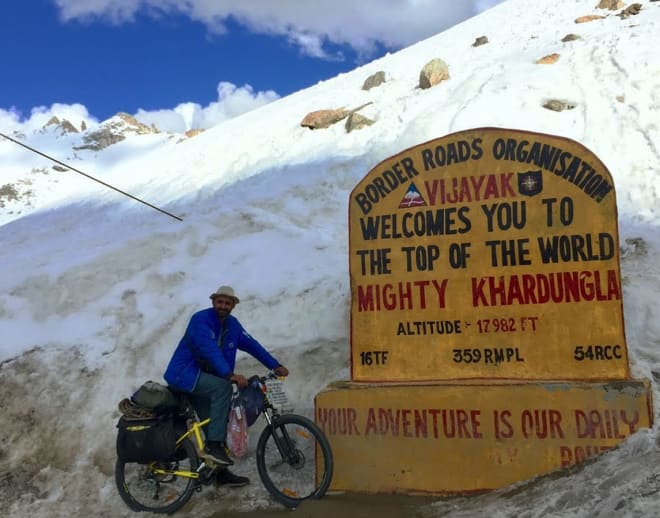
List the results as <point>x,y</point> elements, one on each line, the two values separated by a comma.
<point>292,476</point>
<point>142,490</point>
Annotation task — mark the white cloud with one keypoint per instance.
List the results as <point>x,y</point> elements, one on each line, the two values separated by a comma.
<point>309,24</point>
<point>311,44</point>
<point>12,120</point>
<point>232,102</point>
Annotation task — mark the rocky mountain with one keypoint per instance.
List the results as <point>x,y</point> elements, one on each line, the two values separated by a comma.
<point>115,130</point>
<point>28,182</point>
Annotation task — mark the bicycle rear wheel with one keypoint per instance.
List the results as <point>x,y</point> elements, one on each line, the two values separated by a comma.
<point>294,460</point>
<point>144,490</point>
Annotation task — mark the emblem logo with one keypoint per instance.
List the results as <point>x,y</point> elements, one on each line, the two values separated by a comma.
<point>530,183</point>
<point>412,198</point>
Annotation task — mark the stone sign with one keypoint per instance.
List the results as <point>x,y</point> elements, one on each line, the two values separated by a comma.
<point>488,253</point>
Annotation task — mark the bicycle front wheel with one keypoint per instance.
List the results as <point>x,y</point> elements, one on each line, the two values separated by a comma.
<point>155,487</point>
<point>294,460</point>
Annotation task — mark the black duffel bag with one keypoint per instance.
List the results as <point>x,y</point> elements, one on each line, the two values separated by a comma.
<point>146,440</point>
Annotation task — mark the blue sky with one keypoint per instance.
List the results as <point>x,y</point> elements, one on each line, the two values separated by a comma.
<point>150,56</point>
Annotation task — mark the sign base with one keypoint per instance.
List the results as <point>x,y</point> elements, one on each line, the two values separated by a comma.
<point>462,437</point>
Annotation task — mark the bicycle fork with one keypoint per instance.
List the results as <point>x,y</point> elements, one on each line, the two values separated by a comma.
<point>284,443</point>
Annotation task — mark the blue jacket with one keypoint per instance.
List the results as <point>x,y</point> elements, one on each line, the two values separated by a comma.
<point>204,348</point>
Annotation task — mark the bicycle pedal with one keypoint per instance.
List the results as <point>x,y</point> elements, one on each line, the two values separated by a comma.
<point>207,475</point>
<point>210,463</point>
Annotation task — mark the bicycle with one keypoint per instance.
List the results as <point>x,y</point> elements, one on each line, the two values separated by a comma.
<point>294,461</point>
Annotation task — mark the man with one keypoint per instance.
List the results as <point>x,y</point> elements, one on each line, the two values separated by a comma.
<point>203,365</point>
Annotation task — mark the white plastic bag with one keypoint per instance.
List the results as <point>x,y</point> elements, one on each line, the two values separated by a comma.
<point>237,427</point>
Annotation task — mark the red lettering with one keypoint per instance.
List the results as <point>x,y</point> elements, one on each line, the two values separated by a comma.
<point>322,418</point>
<point>421,429</point>
<point>558,287</point>
<point>431,190</point>
<point>476,184</point>
<point>474,415</point>
<point>506,188</point>
<point>491,188</point>
<point>565,455</point>
<point>541,423</point>
<point>371,422</point>
<point>407,422</point>
<point>555,425</point>
<point>470,188</point>
<point>465,195</point>
<point>392,422</point>
<point>453,196</point>
<point>434,416</point>
<point>526,423</point>
<point>421,285</point>
<point>352,422</point>
<point>503,428</point>
<point>604,424</point>
<point>445,428</point>
<point>572,455</point>
<point>462,417</point>
<point>613,288</point>
<point>405,417</point>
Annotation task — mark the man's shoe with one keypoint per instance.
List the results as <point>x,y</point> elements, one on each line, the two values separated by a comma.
<point>227,478</point>
<point>217,452</point>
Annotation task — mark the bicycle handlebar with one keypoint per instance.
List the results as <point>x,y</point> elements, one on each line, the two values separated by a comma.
<point>262,379</point>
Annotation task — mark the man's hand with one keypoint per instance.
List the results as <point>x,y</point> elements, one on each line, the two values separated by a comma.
<point>239,379</point>
<point>281,371</point>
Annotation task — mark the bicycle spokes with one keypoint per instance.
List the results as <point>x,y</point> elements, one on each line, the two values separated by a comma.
<point>159,487</point>
<point>287,461</point>
<point>294,460</point>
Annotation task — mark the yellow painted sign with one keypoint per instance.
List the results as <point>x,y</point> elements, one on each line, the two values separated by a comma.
<point>453,438</point>
<point>488,253</point>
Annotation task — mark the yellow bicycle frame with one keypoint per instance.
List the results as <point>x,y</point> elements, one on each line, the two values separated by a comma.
<point>195,432</point>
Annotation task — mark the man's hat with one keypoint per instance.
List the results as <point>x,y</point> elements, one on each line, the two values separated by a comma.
<point>226,291</point>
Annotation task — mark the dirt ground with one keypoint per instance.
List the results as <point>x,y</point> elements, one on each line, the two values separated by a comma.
<point>346,506</point>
